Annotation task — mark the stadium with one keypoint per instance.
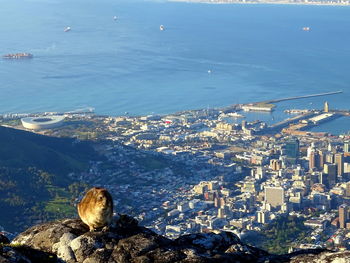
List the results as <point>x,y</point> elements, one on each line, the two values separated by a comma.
<point>42,122</point>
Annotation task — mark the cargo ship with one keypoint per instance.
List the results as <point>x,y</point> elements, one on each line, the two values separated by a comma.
<point>18,56</point>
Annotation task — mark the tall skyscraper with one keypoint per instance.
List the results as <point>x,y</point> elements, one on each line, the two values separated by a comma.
<point>330,147</point>
<point>274,196</point>
<point>244,124</point>
<point>314,160</point>
<point>347,146</point>
<point>329,158</point>
<point>323,179</point>
<point>292,148</point>
<point>347,189</point>
<point>310,149</point>
<point>262,217</point>
<point>260,172</point>
<point>347,169</point>
<point>275,164</point>
<point>343,215</point>
<point>321,154</point>
<point>339,161</point>
<point>221,213</point>
<point>331,171</point>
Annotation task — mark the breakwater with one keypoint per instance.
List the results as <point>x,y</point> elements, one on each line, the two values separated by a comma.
<point>303,97</point>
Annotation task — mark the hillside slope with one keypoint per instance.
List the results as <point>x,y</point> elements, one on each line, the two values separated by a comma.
<point>34,182</point>
<point>20,149</point>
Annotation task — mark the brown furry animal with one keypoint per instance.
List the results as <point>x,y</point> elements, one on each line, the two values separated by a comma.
<point>96,208</point>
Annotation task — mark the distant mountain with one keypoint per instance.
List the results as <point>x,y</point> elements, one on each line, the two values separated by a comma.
<point>34,182</point>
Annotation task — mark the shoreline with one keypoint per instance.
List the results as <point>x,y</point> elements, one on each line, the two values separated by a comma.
<point>217,2</point>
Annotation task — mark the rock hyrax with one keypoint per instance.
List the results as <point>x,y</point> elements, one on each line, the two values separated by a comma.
<point>96,208</point>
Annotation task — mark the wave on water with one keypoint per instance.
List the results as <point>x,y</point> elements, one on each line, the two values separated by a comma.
<point>65,76</point>
<point>215,63</point>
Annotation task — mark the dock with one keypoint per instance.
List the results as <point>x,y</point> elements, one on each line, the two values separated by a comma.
<point>303,97</point>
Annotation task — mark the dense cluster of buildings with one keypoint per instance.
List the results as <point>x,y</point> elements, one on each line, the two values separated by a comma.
<point>224,175</point>
<point>292,180</point>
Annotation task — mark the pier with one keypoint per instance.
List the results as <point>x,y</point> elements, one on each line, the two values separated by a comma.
<point>277,127</point>
<point>303,97</point>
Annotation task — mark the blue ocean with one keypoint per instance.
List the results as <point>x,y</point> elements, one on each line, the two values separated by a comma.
<point>207,56</point>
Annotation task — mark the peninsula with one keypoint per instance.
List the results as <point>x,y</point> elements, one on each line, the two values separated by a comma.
<point>279,2</point>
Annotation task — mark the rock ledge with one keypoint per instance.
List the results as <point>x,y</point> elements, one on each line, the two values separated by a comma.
<point>70,241</point>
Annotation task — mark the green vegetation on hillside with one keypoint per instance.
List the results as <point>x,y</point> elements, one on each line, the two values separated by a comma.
<point>281,233</point>
<point>30,196</point>
<point>56,155</point>
<point>34,181</point>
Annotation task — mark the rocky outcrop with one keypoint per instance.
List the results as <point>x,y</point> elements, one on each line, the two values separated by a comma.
<point>70,241</point>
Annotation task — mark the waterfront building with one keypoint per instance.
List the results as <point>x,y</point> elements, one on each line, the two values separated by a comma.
<point>326,107</point>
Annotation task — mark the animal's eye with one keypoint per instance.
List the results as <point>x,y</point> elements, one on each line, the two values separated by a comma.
<point>100,198</point>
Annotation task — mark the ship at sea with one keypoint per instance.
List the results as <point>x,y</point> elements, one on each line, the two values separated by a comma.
<point>18,56</point>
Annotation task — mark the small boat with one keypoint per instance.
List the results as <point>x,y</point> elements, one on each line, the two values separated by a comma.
<point>209,71</point>
<point>235,115</point>
<point>306,28</point>
<point>161,27</point>
<point>67,29</point>
<point>17,56</point>
<point>115,17</point>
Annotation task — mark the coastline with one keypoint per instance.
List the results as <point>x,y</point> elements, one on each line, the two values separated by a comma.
<point>262,2</point>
